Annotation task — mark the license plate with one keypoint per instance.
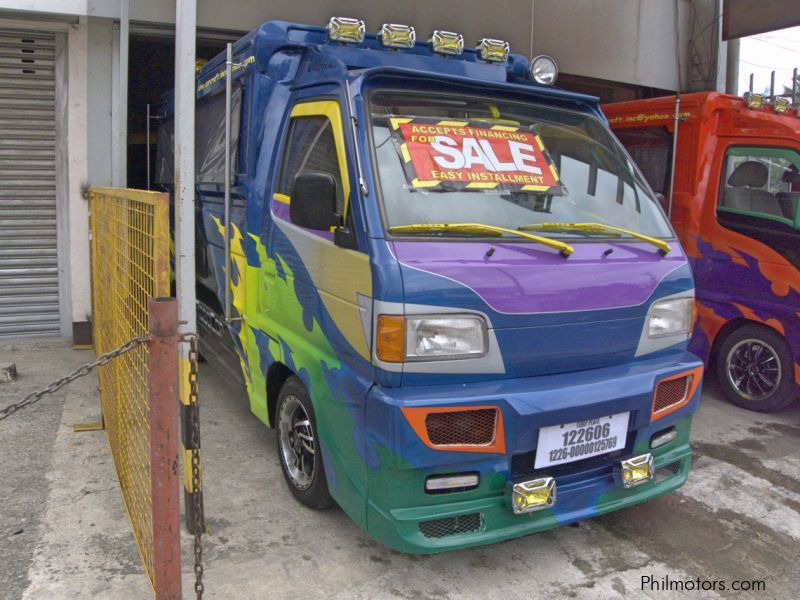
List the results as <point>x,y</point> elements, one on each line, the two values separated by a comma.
<point>569,442</point>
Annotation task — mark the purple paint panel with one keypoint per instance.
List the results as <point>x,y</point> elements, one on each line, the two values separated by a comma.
<point>524,278</point>
<point>281,211</point>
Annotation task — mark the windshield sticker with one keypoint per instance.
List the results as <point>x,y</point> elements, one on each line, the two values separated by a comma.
<point>450,155</point>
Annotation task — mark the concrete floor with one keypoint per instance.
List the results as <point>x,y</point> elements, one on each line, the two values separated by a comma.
<point>64,533</point>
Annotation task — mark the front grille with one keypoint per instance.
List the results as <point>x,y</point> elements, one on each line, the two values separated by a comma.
<point>668,471</point>
<point>463,427</point>
<point>670,392</point>
<point>439,528</point>
<point>522,465</point>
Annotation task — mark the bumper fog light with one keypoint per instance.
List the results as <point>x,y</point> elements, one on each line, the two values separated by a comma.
<point>663,437</point>
<point>451,483</point>
<point>534,495</point>
<point>636,470</point>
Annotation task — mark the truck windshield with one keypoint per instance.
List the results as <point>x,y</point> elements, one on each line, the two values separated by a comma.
<point>505,164</point>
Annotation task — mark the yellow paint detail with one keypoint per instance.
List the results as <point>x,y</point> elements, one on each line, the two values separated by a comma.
<point>340,276</point>
<point>239,290</point>
<point>504,128</point>
<point>565,249</point>
<point>554,172</point>
<point>539,142</point>
<point>183,377</point>
<point>453,123</point>
<point>598,228</point>
<point>482,184</point>
<point>535,188</point>
<point>418,183</point>
<point>280,198</point>
<point>397,121</point>
<point>333,112</point>
<point>187,472</point>
<point>405,153</point>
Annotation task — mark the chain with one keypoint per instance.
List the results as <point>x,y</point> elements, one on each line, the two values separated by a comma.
<point>194,434</point>
<point>81,371</point>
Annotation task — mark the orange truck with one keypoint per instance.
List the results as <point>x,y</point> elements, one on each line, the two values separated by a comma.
<point>735,206</point>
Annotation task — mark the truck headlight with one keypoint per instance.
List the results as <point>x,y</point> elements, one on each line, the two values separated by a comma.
<point>456,336</point>
<point>670,317</point>
<point>430,337</point>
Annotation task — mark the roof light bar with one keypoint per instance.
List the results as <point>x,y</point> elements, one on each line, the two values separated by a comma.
<point>393,35</point>
<point>754,100</point>
<point>344,29</point>
<point>782,104</point>
<point>493,50</point>
<point>447,42</point>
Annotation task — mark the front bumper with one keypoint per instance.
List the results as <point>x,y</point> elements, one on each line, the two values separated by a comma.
<point>403,516</point>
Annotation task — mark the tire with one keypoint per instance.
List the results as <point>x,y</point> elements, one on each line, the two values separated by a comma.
<point>298,446</point>
<point>756,370</point>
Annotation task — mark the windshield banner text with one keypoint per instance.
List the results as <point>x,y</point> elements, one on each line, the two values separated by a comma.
<point>448,155</point>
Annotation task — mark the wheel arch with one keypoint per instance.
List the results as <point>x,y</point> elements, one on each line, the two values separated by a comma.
<point>277,374</point>
<point>728,329</point>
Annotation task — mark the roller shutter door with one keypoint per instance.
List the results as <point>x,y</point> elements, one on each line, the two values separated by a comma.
<point>28,251</point>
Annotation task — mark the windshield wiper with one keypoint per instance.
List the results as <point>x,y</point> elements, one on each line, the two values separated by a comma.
<point>598,228</point>
<point>481,229</point>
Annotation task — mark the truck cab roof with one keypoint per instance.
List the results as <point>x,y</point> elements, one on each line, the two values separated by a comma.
<point>735,117</point>
<point>325,60</point>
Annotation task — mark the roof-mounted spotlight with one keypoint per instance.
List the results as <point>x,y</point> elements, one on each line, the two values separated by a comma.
<point>543,70</point>
<point>393,35</point>
<point>754,100</point>
<point>493,50</point>
<point>782,104</point>
<point>343,29</point>
<point>447,42</point>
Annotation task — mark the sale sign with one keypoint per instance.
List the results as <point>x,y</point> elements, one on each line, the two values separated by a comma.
<point>447,155</point>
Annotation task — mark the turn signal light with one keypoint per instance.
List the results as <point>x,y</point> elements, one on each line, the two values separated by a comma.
<point>390,338</point>
<point>663,437</point>
<point>452,483</point>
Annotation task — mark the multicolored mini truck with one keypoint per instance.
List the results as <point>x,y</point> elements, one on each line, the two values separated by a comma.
<point>736,208</point>
<point>449,289</point>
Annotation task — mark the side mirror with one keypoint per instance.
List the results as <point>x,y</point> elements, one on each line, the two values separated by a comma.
<point>313,203</point>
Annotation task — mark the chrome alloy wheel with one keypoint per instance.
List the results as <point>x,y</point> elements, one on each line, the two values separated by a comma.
<point>753,368</point>
<point>298,445</point>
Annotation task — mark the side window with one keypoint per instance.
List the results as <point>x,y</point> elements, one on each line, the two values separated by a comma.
<point>650,148</point>
<point>311,146</point>
<point>761,183</point>
<point>209,135</point>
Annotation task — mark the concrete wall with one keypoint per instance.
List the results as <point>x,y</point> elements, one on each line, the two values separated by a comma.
<point>630,41</point>
<point>78,169</point>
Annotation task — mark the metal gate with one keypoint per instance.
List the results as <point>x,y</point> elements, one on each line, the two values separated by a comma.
<point>28,251</point>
